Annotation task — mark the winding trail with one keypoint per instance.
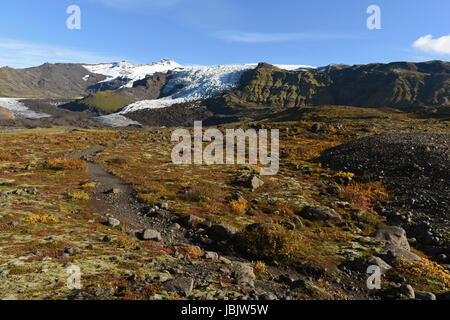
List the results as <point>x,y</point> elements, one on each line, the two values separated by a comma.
<point>114,197</point>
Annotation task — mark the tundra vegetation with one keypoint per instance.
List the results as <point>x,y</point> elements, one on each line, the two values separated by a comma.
<point>49,219</point>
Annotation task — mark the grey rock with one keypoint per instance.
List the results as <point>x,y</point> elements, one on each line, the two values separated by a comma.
<point>152,235</point>
<point>425,296</point>
<point>244,273</point>
<point>211,255</point>
<point>376,261</point>
<point>175,227</point>
<point>319,214</point>
<point>190,221</point>
<point>391,254</point>
<point>164,206</point>
<point>394,236</point>
<point>408,291</point>
<point>255,182</point>
<point>225,260</point>
<point>113,222</point>
<point>180,285</point>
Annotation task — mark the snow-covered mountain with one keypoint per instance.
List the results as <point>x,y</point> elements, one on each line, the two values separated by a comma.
<point>200,82</point>
<point>130,72</point>
<point>193,83</point>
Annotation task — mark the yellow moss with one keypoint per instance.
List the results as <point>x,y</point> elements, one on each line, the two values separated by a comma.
<point>79,195</point>
<point>260,268</point>
<point>88,186</point>
<point>42,219</point>
<point>424,272</point>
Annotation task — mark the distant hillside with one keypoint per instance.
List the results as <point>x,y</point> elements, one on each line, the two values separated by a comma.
<point>109,101</point>
<point>399,84</point>
<point>47,81</point>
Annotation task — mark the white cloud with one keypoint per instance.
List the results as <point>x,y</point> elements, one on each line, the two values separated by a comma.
<point>21,54</point>
<point>428,44</point>
<point>261,37</point>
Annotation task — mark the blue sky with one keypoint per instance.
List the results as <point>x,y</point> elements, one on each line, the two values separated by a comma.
<point>210,32</point>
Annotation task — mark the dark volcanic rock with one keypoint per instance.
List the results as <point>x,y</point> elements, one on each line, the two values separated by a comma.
<point>414,166</point>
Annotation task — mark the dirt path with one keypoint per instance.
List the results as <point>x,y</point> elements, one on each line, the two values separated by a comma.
<point>113,197</point>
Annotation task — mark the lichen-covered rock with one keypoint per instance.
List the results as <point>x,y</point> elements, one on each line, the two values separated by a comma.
<point>394,236</point>
<point>319,213</point>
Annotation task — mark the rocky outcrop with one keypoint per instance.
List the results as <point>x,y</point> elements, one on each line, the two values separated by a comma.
<point>399,84</point>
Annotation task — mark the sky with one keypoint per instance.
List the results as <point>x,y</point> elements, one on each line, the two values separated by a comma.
<point>212,32</point>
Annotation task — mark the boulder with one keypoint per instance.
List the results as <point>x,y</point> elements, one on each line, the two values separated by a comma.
<point>244,273</point>
<point>425,296</point>
<point>394,236</point>
<point>391,254</point>
<point>151,235</point>
<point>407,291</point>
<point>376,261</point>
<point>164,206</point>
<point>210,255</point>
<point>319,214</point>
<point>112,222</point>
<point>220,232</point>
<point>189,221</point>
<point>180,285</point>
<point>255,182</point>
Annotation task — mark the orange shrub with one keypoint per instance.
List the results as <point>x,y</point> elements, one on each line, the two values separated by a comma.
<point>364,196</point>
<point>66,164</point>
<point>238,207</point>
<point>5,156</point>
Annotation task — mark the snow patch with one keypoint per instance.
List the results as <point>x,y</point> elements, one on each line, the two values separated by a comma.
<point>20,110</point>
